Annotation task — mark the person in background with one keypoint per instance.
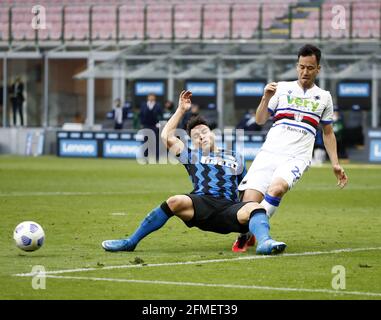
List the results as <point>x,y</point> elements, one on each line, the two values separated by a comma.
<point>248,122</point>
<point>168,110</point>
<point>118,114</point>
<point>17,100</point>
<point>1,102</point>
<point>150,115</point>
<point>353,127</point>
<point>78,118</point>
<point>136,118</point>
<point>194,111</point>
<point>338,128</point>
<point>319,155</point>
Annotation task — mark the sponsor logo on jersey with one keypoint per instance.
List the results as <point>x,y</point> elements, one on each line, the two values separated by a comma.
<point>293,129</point>
<point>233,164</point>
<point>298,116</point>
<point>300,102</point>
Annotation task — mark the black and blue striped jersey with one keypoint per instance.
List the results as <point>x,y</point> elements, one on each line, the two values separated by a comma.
<point>217,174</point>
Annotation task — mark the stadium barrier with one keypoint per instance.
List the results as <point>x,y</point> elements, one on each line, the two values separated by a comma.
<point>373,144</point>
<point>126,145</point>
<point>22,141</point>
<point>130,144</point>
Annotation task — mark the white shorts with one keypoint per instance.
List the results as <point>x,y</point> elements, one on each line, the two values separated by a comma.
<point>268,166</point>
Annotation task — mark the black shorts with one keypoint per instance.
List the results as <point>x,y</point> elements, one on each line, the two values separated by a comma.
<point>216,214</point>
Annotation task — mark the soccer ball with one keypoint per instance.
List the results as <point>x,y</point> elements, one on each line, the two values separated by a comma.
<point>29,236</point>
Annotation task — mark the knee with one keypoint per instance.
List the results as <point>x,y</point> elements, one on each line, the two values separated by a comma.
<point>174,203</point>
<point>243,214</point>
<point>278,190</point>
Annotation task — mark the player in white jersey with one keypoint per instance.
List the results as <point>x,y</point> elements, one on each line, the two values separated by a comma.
<point>297,107</point>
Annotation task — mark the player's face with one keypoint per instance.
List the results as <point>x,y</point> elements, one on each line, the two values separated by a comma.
<point>202,137</point>
<point>307,69</point>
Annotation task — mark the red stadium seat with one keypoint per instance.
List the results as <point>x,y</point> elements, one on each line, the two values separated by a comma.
<point>216,21</point>
<point>53,24</point>
<point>159,21</point>
<point>104,22</point>
<point>245,20</point>
<point>4,30</point>
<point>187,21</point>
<point>131,22</point>
<point>77,22</point>
<point>221,19</point>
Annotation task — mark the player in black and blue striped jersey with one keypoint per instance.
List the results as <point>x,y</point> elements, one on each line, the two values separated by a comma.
<point>213,172</point>
<point>214,204</point>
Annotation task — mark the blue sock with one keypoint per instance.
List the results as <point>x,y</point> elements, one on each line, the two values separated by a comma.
<point>153,221</point>
<point>259,225</point>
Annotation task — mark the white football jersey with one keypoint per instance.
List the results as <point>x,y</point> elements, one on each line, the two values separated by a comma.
<point>296,115</point>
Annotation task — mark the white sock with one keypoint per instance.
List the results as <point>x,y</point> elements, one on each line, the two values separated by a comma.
<point>271,204</point>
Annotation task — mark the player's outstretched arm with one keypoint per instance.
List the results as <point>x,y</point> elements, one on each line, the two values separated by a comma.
<point>174,144</point>
<point>331,147</point>
<point>262,114</point>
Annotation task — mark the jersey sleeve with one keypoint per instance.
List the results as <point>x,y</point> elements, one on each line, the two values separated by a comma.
<point>327,116</point>
<point>184,156</point>
<point>241,172</point>
<point>274,101</point>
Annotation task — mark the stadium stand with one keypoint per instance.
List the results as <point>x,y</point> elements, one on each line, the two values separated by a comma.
<point>128,20</point>
<point>92,51</point>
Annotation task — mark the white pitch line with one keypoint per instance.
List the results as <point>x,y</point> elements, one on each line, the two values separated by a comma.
<point>229,286</point>
<point>71,193</point>
<point>165,264</point>
<point>130,192</point>
<point>118,213</point>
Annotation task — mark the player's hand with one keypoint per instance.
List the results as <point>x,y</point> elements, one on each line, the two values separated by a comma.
<point>342,178</point>
<point>270,89</point>
<point>185,100</point>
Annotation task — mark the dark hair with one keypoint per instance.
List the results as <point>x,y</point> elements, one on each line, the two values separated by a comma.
<point>310,50</point>
<point>195,121</point>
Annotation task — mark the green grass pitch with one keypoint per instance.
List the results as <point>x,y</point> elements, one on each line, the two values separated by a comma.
<point>80,202</point>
